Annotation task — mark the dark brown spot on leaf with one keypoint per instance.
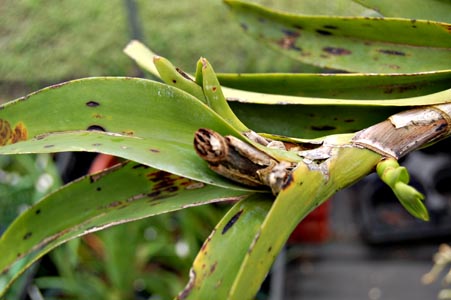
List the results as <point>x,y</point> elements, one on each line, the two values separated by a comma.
<point>98,189</point>
<point>330,27</point>
<point>154,150</point>
<point>213,267</point>
<point>447,27</point>
<point>349,120</point>
<point>49,146</point>
<point>138,166</point>
<point>289,40</point>
<point>184,75</point>
<point>324,32</point>
<point>96,128</point>
<point>171,189</point>
<point>92,104</point>
<point>154,194</point>
<point>392,52</point>
<point>38,211</point>
<point>27,235</point>
<point>323,128</point>
<point>287,181</point>
<point>128,132</point>
<point>336,51</point>
<point>174,81</point>
<point>291,33</point>
<point>232,221</point>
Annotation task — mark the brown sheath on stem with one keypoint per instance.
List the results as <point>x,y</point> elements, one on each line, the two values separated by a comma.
<point>407,131</point>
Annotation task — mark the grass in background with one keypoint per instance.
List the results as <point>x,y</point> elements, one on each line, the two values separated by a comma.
<point>44,42</point>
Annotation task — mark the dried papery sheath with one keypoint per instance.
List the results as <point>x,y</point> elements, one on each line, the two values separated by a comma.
<point>407,131</point>
<point>239,161</point>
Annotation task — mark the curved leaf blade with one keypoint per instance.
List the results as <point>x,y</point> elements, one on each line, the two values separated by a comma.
<point>331,8</point>
<point>357,44</point>
<point>220,257</point>
<point>307,188</point>
<point>143,120</point>
<point>341,86</point>
<point>122,194</point>
<point>437,10</point>
<point>309,121</point>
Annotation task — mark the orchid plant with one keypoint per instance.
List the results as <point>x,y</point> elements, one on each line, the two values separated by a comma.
<point>274,146</point>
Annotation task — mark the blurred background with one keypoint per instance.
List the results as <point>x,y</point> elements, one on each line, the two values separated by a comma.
<point>361,245</point>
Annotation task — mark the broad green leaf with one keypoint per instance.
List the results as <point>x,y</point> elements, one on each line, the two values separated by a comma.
<point>341,86</point>
<point>324,8</point>
<point>219,259</point>
<point>309,186</point>
<point>122,194</point>
<point>307,121</point>
<point>261,98</point>
<point>316,117</point>
<point>358,44</point>
<point>143,120</point>
<point>437,10</point>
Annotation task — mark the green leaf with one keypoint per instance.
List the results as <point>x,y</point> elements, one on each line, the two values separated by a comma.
<point>219,259</point>
<point>309,186</point>
<point>332,8</point>
<point>122,194</point>
<point>437,10</point>
<point>358,44</point>
<point>215,97</point>
<point>315,117</point>
<point>341,86</point>
<point>143,121</point>
<point>308,121</point>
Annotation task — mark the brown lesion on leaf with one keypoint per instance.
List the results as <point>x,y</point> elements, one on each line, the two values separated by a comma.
<point>9,135</point>
<point>447,27</point>
<point>337,51</point>
<point>232,221</point>
<point>189,287</point>
<point>128,132</point>
<point>323,32</point>
<point>27,235</point>
<point>166,184</point>
<point>323,128</point>
<point>98,116</point>
<point>5,132</point>
<point>289,40</point>
<point>92,103</point>
<point>392,52</point>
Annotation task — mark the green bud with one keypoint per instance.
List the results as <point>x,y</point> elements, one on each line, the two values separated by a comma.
<point>397,178</point>
<point>412,200</point>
